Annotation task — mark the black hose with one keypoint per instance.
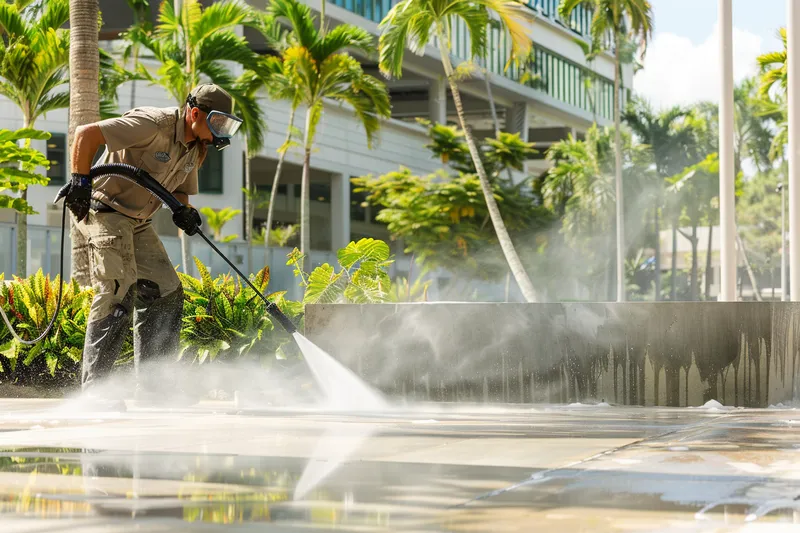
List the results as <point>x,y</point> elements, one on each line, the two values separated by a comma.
<point>143,179</point>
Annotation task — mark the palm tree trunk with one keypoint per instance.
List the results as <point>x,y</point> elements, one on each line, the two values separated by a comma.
<point>694,285</point>
<point>249,207</point>
<point>657,228</point>
<point>524,282</point>
<point>322,17</point>
<point>305,216</point>
<point>84,96</point>
<point>708,261</point>
<point>674,266</point>
<point>750,273</point>
<point>618,181</point>
<point>274,193</point>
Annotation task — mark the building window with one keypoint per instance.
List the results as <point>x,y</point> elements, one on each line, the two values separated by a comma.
<point>320,192</point>
<point>57,155</point>
<point>210,174</point>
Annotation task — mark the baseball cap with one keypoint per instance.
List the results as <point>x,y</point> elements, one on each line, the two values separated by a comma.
<point>210,97</point>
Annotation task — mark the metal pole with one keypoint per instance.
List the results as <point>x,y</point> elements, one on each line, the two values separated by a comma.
<point>793,48</point>
<point>727,207</point>
<point>782,189</point>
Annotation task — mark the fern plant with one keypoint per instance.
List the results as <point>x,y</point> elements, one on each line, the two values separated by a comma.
<point>362,277</point>
<point>223,316</point>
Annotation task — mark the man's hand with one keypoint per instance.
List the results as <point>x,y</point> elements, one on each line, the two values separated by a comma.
<point>79,196</point>
<point>188,219</point>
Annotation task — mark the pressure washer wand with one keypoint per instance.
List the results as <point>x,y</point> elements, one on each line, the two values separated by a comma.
<point>272,309</point>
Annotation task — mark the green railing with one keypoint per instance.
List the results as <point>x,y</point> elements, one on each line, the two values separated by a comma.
<point>554,75</point>
<point>375,10</point>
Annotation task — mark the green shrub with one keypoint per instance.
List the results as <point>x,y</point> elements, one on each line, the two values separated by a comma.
<point>223,318</point>
<point>29,304</point>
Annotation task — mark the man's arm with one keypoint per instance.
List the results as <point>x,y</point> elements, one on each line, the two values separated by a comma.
<point>182,197</point>
<point>88,139</point>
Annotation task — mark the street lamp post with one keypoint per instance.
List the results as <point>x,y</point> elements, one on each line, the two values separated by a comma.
<point>793,64</point>
<point>727,217</point>
<point>783,240</point>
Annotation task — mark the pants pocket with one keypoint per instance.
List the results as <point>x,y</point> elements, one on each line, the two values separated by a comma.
<point>107,257</point>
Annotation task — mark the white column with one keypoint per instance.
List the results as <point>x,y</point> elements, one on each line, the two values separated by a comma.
<point>518,120</point>
<point>793,49</point>
<point>727,212</point>
<point>340,211</point>
<point>437,101</point>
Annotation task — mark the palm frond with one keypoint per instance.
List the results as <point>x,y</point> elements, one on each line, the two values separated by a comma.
<point>55,15</point>
<point>341,37</point>
<point>299,17</point>
<point>52,102</point>
<point>11,20</point>
<point>222,16</point>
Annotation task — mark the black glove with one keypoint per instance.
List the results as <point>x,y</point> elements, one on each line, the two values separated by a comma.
<point>188,219</point>
<point>79,195</point>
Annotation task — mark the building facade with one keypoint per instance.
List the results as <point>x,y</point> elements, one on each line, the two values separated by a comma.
<point>564,95</point>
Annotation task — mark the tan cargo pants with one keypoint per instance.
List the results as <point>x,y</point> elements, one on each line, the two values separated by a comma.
<point>133,278</point>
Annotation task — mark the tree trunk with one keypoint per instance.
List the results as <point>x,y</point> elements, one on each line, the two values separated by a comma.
<point>708,261</point>
<point>322,17</point>
<point>305,205</point>
<point>186,254</point>
<point>673,282</point>
<point>657,227</point>
<point>503,237</point>
<point>84,83</point>
<point>493,109</point>
<point>249,206</point>
<point>694,285</point>
<point>618,182</point>
<point>274,193</point>
<point>750,273</point>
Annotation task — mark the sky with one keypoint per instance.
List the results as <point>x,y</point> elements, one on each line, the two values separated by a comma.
<point>682,62</point>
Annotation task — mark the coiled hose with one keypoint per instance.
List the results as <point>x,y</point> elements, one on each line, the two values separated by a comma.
<point>143,179</point>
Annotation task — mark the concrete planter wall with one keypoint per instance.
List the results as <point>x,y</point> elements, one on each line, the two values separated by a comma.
<point>670,354</point>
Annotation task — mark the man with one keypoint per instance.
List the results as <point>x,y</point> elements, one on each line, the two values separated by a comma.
<point>116,248</point>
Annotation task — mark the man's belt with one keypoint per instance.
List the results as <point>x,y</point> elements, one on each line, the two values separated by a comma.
<point>100,207</point>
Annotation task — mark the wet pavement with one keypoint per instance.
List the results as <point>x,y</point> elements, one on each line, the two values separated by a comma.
<point>422,468</point>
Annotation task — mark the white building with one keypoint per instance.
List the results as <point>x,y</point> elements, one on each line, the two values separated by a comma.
<point>544,111</point>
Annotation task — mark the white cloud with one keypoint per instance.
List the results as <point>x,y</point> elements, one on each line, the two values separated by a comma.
<point>676,71</point>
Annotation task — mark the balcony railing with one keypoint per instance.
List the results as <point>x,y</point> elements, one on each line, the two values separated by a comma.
<point>375,10</point>
<point>556,76</point>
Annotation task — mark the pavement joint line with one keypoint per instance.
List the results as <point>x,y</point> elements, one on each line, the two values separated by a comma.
<point>546,475</point>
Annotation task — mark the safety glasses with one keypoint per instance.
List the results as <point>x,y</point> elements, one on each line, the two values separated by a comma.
<point>223,125</point>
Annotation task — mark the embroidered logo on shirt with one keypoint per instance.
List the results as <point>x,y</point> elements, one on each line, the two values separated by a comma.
<point>162,156</point>
<point>188,167</point>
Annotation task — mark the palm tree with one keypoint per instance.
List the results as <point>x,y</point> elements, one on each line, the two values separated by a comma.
<point>320,69</point>
<point>140,10</point>
<point>659,133</point>
<point>580,180</point>
<point>279,87</point>
<point>192,44</point>
<point>625,20</point>
<point>415,23</point>
<point>34,57</point>
<point>774,69</point>
<point>217,218</point>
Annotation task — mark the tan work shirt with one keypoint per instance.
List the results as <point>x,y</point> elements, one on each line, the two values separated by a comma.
<point>151,138</point>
